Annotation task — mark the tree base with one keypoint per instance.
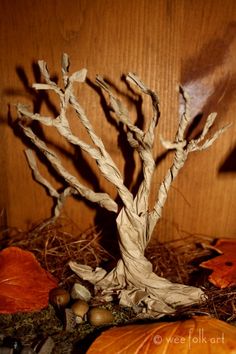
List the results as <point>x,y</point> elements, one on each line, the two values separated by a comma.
<point>147,294</point>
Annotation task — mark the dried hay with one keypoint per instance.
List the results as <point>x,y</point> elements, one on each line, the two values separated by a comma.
<point>54,244</point>
<point>179,260</point>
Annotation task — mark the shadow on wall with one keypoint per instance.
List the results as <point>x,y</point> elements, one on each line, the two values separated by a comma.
<point>210,79</point>
<point>229,165</point>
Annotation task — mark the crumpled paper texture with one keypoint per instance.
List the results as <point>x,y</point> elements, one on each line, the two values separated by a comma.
<point>133,280</point>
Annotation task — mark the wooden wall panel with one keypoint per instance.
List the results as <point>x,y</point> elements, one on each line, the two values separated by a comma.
<point>165,42</point>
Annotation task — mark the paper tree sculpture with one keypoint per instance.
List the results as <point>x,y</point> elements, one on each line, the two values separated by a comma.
<point>132,280</point>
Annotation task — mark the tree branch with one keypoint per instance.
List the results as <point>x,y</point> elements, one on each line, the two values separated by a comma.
<point>60,197</point>
<point>145,149</point>
<point>104,161</point>
<point>182,149</point>
<point>141,141</point>
<point>103,199</point>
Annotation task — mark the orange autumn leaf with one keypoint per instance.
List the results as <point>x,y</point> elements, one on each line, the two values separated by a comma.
<point>196,335</point>
<point>24,284</point>
<point>224,265</point>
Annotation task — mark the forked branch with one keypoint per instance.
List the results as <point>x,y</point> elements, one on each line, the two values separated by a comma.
<point>141,141</point>
<point>182,149</point>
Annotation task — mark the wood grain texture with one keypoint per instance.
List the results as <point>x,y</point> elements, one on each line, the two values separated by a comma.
<point>165,42</point>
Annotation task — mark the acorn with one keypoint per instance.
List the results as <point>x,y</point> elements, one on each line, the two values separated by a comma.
<point>59,297</point>
<point>99,316</point>
<point>80,308</point>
